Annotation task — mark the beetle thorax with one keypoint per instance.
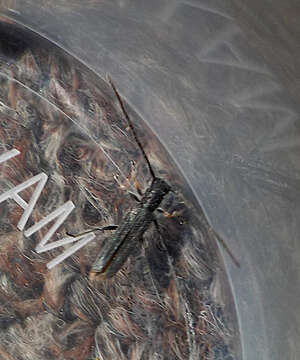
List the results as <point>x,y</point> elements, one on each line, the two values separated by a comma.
<point>155,194</point>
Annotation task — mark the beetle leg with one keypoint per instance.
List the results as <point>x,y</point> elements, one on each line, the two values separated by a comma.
<point>104,228</point>
<point>166,213</point>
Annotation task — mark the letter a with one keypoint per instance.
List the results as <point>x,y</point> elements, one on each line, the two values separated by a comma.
<point>8,155</point>
<point>28,207</point>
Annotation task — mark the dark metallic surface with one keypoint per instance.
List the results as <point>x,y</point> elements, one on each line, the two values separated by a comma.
<point>218,81</point>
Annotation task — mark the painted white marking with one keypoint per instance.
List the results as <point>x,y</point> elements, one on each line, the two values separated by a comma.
<point>14,11</point>
<point>8,155</point>
<point>85,239</point>
<point>28,207</point>
<point>62,213</point>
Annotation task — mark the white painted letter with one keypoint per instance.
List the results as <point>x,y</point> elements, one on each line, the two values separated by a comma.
<point>85,239</point>
<point>13,194</point>
<point>8,155</point>
<point>62,213</point>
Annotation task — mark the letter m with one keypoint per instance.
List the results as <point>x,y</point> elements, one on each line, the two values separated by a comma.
<point>61,214</point>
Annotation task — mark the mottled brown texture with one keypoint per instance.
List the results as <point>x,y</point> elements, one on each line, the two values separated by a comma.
<point>168,300</point>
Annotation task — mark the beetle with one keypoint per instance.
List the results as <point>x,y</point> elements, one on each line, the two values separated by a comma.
<point>136,221</point>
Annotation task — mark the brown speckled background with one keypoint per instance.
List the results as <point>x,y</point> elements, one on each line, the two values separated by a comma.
<point>170,300</point>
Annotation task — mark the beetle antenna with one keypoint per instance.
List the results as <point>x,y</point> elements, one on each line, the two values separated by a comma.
<point>131,126</point>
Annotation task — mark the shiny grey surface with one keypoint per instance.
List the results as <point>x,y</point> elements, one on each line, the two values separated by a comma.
<point>214,84</point>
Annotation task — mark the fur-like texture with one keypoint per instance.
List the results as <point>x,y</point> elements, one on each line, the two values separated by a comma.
<point>168,300</point>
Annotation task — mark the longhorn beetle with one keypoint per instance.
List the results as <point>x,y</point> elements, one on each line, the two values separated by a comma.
<point>117,249</point>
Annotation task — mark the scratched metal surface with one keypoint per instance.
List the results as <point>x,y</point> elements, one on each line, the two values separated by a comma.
<point>218,82</point>
<point>171,299</point>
